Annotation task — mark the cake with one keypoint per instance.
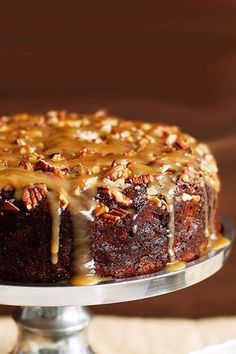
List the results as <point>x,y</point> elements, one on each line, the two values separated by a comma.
<point>92,196</point>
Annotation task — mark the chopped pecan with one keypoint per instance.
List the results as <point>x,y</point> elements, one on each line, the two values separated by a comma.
<point>180,144</point>
<point>20,142</point>
<point>119,171</point>
<point>100,209</point>
<point>44,166</point>
<point>186,197</point>
<point>185,177</point>
<point>196,198</point>
<point>114,163</point>
<point>171,139</point>
<point>110,218</point>
<point>61,171</point>
<point>115,214</point>
<point>33,194</point>
<point>104,190</point>
<point>153,190</point>
<point>56,157</point>
<point>141,179</point>
<point>27,149</point>
<point>119,212</point>
<point>100,113</point>
<point>83,152</point>
<point>26,165</point>
<point>121,198</point>
<point>79,170</point>
<point>95,169</point>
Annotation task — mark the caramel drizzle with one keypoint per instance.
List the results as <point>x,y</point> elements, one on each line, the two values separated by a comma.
<point>212,213</point>
<point>166,188</point>
<point>206,208</point>
<point>168,193</point>
<point>209,207</point>
<point>55,214</point>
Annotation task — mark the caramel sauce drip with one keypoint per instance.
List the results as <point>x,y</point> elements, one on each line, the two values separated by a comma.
<point>74,154</point>
<point>88,280</point>
<point>55,213</point>
<point>166,188</point>
<point>219,243</point>
<point>168,192</point>
<point>174,266</point>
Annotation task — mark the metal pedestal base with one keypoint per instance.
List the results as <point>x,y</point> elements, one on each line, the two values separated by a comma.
<point>52,330</point>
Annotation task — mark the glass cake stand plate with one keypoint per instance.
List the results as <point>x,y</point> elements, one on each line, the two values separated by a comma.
<point>53,318</point>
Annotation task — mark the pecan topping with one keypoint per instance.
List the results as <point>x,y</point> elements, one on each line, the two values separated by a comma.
<point>119,212</point>
<point>101,208</point>
<point>44,166</point>
<point>32,195</point>
<point>118,171</point>
<point>114,163</point>
<point>110,218</point>
<point>180,144</point>
<point>104,190</point>
<point>61,171</point>
<point>26,165</point>
<point>115,215</point>
<point>171,139</point>
<point>121,198</point>
<point>141,179</point>
<point>83,152</point>
<point>56,157</point>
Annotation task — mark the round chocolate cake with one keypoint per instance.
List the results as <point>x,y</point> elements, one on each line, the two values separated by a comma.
<point>88,196</point>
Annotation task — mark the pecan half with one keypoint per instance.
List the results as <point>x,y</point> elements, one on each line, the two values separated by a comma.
<point>119,212</point>
<point>100,209</point>
<point>104,190</point>
<point>141,179</point>
<point>110,218</point>
<point>180,144</point>
<point>32,195</point>
<point>118,171</point>
<point>121,198</point>
<point>26,165</point>
<point>115,215</point>
<point>44,166</point>
<point>56,156</point>
<point>61,171</point>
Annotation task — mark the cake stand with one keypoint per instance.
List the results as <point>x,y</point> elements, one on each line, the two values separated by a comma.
<point>53,319</point>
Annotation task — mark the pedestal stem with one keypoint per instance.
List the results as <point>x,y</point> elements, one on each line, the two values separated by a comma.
<point>52,330</point>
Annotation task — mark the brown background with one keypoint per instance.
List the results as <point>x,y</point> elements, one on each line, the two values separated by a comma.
<point>172,61</point>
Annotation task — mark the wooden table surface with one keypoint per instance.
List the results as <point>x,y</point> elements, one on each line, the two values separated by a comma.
<point>172,61</point>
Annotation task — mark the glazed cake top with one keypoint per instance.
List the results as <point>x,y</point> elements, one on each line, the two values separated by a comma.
<point>67,156</point>
<point>73,145</point>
